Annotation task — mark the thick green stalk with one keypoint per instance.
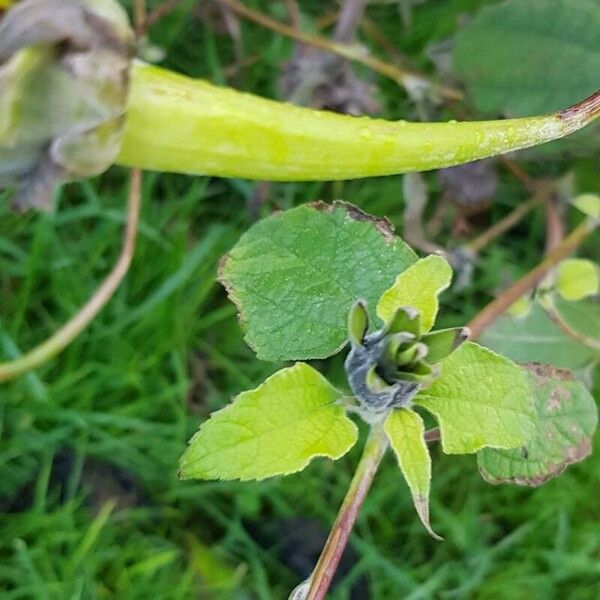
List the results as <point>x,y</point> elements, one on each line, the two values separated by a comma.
<point>178,124</point>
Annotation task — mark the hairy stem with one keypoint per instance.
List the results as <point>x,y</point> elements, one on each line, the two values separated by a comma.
<point>498,306</point>
<point>179,124</point>
<point>66,334</point>
<point>373,452</point>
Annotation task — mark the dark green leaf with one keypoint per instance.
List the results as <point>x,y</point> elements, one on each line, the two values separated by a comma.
<point>531,56</point>
<point>295,275</point>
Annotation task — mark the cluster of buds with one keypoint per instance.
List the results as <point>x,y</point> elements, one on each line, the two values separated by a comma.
<point>387,368</point>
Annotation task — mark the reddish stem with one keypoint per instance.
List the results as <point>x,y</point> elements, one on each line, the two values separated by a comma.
<point>498,306</point>
<point>338,536</point>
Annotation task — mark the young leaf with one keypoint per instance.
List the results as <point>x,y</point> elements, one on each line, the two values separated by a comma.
<point>274,429</point>
<point>405,430</point>
<point>443,342</point>
<point>418,287</point>
<point>406,319</point>
<point>295,275</point>
<point>588,204</point>
<point>358,322</point>
<point>480,399</point>
<point>566,418</point>
<point>520,37</point>
<point>577,278</point>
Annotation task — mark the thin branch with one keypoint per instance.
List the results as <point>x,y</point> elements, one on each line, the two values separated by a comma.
<point>406,79</point>
<point>293,13</point>
<point>157,14</point>
<point>139,16</point>
<point>64,336</point>
<point>433,435</point>
<point>502,226</point>
<point>555,228</point>
<point>320,580</point>
<point>498,306</point>
<point>348,21</point>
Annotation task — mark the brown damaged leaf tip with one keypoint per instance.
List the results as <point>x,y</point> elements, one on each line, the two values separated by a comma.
<point>77,56</point>
<point>586,110</point>
<point>422,508</point>
<point>381,223</point>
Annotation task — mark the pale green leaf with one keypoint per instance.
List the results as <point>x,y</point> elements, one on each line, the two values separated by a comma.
<point>535,338</point>
<point>405,430</point>
<point>520,308</point>
<point>566,418</point>
<point>588,204</point>
<point>577,278</point>
<point>358,322</point>
<point>480,399</point>
<point>295,275</point>
<point>419,287</point>
<point>275,429</point>
<point>443,342</point>
<point>529,57</point>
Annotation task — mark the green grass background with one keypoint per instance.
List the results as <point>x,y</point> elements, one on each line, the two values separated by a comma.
<point>115,410</point>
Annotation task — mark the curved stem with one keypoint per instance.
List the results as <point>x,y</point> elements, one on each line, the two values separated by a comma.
<point>373,452</point>
<point>498,306</point>
<point>560,322</point>
<point>178,124</point>
<point>66,334</point>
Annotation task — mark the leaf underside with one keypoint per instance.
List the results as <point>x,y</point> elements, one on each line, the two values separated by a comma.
<point>405,430</point>
<point>521,38</point>
<point>275,429</point>
<point>480,399</point>
<point>536,338</point>
<point>295,275</point>
<point>566,420</point>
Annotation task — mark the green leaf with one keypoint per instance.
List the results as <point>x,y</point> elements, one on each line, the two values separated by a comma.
<point>418,287</point>
<point>295,275</point>
<point>577,278</point>
<point>405,430</point>
<point>443,342</point>
<point>358,322</point>
<point>537,338</point>
<point>274,429</point>
<point>540,55</point>
<point>480,399</point>
<point>566,418</point>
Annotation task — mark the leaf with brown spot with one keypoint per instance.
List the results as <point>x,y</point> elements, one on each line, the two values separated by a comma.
<point>566,420</point>
<point>295,275</point>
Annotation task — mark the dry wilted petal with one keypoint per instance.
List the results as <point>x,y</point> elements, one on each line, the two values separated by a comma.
<point>64,70</point>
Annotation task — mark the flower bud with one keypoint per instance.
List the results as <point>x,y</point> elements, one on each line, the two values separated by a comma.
<point>64,78</point>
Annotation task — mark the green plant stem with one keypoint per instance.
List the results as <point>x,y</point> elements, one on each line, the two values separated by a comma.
<point>498,306</point>
<point>375,448</point>
<point>66,334</point>
<point>178,124</point>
